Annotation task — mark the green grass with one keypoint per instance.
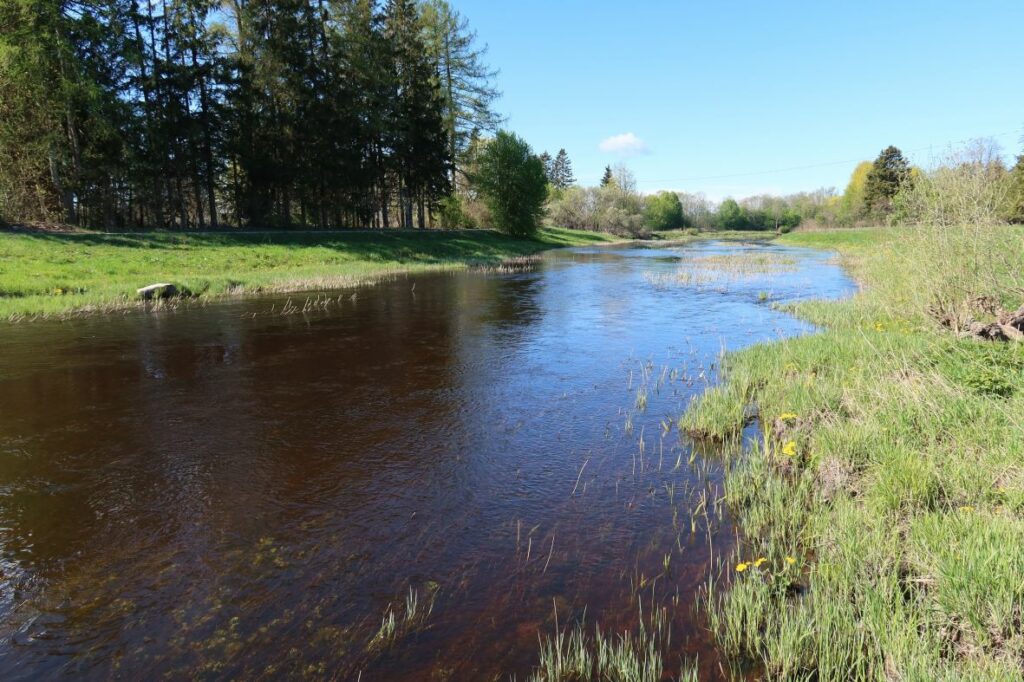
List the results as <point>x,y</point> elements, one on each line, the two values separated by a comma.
<point>890,470</point>
<point>57,274</point>
<point>692,234</point>
<point>631,656</point>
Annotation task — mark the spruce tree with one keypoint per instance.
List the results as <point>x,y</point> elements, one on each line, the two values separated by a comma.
<point>548,163</point>
<point>887,176</point>
<point>561,171</point>
<point>608,177</point>
<point>422,156</point>
<point>192,113</point>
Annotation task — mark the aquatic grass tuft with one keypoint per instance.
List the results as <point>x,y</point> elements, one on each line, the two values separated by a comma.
<point>574,655</point>
<point>397,624</point>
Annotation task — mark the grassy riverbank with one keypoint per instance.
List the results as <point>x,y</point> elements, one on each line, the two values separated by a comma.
<point>57,274</point>
<point>886,492</point>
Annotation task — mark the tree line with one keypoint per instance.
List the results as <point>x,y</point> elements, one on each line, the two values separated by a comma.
<point>192,114</point>
<point>969,185</point>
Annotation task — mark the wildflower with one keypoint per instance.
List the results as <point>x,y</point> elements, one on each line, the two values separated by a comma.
<point>758,562</point>
<point>787,416</point>
<point>966,508</point>
<point>789,449</point>
<point>879,327</point>
<point>790,560</point>
<point>742,566</point>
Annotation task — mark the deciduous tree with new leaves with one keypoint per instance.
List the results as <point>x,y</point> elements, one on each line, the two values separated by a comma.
<point>512,181</point>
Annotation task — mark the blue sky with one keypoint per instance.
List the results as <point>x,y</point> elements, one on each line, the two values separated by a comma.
<point>712,88</point>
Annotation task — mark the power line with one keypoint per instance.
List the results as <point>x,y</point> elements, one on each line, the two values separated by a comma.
<point>816,165</point>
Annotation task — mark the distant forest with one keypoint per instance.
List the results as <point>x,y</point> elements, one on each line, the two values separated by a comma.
<point>199,114</point>
<point>194,114</point>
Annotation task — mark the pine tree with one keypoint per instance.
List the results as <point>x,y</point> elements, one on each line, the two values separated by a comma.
<point>608,177</point>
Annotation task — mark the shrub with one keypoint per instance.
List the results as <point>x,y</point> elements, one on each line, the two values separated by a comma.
<point>512,181</point>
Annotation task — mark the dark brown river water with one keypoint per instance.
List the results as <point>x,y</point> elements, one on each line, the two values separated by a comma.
<point>228,492</point>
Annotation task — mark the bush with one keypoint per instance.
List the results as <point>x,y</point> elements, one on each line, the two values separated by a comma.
<point>664,211</point>
<point>615,207</point>
<point>512,181</point>
<point>971,186</point>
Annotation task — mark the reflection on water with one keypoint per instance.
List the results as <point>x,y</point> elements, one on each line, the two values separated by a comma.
<point>227,492</point>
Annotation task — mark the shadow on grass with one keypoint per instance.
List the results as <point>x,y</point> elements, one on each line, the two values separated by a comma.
<point>372,245</point>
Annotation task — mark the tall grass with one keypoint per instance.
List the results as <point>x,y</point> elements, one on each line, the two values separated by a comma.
<point>890,471</point>
<point>574,655</point>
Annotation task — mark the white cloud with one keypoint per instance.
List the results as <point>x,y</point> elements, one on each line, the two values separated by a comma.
<point>626,144</point>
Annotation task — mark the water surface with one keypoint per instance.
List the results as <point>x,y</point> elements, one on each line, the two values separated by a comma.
<point>228,491</point>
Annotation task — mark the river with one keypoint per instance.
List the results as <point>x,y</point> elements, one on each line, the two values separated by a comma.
<point>244,489</point>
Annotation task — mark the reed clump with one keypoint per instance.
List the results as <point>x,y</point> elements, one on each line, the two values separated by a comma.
<point>576,655</point>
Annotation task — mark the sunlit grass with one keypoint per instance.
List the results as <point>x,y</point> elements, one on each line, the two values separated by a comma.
<point>575,655</point>
<point>54,274</point>
<point>889,470</point>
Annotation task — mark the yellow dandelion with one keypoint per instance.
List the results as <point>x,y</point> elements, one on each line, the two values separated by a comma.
<point>966,508</point>
<point>758,562</point>
<point>787,416</point>
<point>789,449</point>
<point>879,327</point>
<point>790,560</point>
<point>742,566</point>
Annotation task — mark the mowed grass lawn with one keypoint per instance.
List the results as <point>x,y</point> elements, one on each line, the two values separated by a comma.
<point>882,507</point>
<point>53,274</point>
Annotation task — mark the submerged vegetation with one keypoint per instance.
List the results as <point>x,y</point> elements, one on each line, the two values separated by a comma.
<point>883,506</point>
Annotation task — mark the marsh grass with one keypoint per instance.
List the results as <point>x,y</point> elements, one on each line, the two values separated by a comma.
<point>576,655</point>
<point>702,271</point>
<point>403,620</point>
<point>901,498</point>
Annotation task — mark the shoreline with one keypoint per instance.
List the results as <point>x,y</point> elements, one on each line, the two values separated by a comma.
<point>886,476</point>
<point>71,275</point>
<point>68,275</point>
